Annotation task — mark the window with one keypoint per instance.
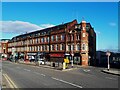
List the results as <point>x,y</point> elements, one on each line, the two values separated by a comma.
<point>62,47</point>
<point>76,27</point>
<point>56,38</point>
<point>47,47</point>
<point>30,41</point>
<point>78,47</point>
<point>68,37</point>
<point>62,37</point>
<point>42,48</point>
<point>35,48</point>
<point>38,40</point>
<point>42,40</point>
<point>56,47</point>
<point>52,47</point>
<point>72,47</point>
<point>83,34</point>
<point>68,47</point>
<point>39,34</point>
<point>78,37</point>
<point>47,39</point>
<point>72,37</point>
<point>84,46</point>
<point>33,41</point>
<point>52,38</point>
<point>83,28</point>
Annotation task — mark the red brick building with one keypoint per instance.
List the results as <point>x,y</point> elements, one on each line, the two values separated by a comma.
<point>70,38</point>
<point>4,46</point>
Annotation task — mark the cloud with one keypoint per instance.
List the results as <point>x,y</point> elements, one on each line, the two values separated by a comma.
<point>46,25</point>
<point>112,24</point>
<point>97,32</point>
<point>20,26</point>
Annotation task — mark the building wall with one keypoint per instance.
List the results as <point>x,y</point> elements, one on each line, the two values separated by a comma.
<point>4,46</point>
<point>57,41</point>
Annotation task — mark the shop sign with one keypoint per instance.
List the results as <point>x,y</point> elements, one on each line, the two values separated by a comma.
<point>31,53</point>
<point>56,55</point>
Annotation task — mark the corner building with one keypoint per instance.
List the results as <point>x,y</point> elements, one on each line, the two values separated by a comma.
<point>73,38</point>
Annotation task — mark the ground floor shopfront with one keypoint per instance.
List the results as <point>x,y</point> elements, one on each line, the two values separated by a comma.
<point>52,57</point>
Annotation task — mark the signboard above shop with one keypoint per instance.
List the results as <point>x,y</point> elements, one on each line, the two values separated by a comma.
<point>56,55</point>
<point>31,53</point>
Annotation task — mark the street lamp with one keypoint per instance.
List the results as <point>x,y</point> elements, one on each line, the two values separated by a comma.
<point>89,60</point>
<point>71,50</point>
<point>108,54</point>
<point>72,60</point>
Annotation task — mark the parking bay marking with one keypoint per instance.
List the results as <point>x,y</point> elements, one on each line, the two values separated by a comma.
<point>67,82</point>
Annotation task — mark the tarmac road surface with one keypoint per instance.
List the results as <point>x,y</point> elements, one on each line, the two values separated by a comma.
<point>28,76</point>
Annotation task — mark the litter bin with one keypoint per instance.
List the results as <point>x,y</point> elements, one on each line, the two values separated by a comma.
<point>53,65</point>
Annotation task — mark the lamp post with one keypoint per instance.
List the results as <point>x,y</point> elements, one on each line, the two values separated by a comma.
<point>72,60</point>
<point>71,50</point>
<point>89,60</point>
<point>108,54</point>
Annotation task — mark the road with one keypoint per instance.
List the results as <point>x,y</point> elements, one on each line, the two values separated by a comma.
<point>28,76</point>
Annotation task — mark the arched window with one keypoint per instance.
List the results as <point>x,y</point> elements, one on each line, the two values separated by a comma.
<point>83,46</point>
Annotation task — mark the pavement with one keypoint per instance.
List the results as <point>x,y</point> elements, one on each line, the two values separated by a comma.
<point>112,71</point>
<point>49,65</point>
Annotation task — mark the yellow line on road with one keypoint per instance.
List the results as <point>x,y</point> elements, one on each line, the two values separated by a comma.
<point>11,83</point>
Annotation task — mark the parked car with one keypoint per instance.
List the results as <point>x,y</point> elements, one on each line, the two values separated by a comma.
<point>41,62</point>
<point>40,58</point>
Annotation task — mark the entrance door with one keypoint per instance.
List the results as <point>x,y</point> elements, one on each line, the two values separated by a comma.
<point>77,60</point>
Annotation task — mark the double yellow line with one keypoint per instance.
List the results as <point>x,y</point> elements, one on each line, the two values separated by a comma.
<point>11,83</point>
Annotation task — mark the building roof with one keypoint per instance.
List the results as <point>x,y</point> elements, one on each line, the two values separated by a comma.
<point>4,40</point>
<point>47,30</point>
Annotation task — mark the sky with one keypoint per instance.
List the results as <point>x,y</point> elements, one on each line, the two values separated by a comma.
<point>22,17</point>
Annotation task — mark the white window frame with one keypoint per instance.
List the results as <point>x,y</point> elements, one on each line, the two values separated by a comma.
<point>83,34</point>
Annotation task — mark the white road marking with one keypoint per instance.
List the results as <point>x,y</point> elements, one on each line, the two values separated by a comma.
<point>67,82</point>
<point>39,74</point>
<point>86,70</point>
<point>42,74</point>
<point>110,78</point>
<point>26,69</point>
